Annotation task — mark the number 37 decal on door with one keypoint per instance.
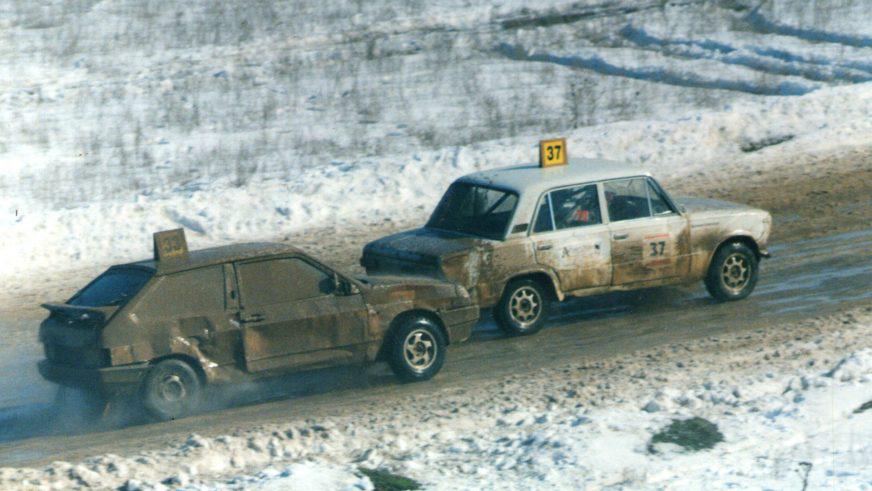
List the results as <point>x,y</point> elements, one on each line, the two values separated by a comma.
<point>657,249</point>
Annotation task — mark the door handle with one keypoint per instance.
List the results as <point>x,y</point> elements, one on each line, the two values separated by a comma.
<point>620,236</point>
<point>544,247</point>
<point>251,318</point>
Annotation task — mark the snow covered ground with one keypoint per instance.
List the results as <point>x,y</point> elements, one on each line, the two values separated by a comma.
<point>260,121</point>
<point>373,189</point>
<point>793,404</point>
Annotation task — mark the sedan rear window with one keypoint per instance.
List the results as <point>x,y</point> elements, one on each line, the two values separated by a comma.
<point>112,288</point>
<point>474,210</point>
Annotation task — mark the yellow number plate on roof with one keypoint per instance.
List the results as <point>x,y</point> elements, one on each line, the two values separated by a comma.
<point>169,244</point>
<point>552,152</point>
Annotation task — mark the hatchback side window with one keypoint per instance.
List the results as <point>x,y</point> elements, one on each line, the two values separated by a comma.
<point>281,280</point>
<point>627,199</point>
<point>197,291</point>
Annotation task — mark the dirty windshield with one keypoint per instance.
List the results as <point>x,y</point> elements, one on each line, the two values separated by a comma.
<point>112,288</point>
<point>474,210</point>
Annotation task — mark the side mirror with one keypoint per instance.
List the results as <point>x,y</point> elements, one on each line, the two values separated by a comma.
<point>342,287</point>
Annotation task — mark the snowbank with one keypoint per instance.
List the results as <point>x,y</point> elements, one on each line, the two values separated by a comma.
<point>370,190</point>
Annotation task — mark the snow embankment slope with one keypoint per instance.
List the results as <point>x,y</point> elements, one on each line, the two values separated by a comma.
<point>792,402</point>
<point>405,188</point>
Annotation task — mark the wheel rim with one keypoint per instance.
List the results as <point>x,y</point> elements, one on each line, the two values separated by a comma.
<point>736,272</point>
<point>172,389</point>
<point>525,306</point>
<point>419,350</point>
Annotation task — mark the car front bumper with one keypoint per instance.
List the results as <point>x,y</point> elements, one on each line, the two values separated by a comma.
<point>110,379</point>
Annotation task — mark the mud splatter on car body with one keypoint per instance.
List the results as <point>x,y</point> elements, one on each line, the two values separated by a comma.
<point>672,244</point>
<point>231,313</point>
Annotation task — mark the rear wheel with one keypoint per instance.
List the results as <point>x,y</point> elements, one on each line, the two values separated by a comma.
<point>171,390</point>
<point>417,350</point>
<point>523,308</point>
<point>732,273</point>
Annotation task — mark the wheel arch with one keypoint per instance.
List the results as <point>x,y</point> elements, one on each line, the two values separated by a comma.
<point>743,238</point>
<point>544,277</point>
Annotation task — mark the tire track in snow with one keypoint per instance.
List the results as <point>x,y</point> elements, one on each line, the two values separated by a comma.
<point>555,17</point>
<point>788,56</point>
<point>761,24</point>
<point>713,50</point>
<point>654,74</point>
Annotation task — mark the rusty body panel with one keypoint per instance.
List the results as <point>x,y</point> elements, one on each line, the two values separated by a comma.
<point>205,308</point>
<point>670,247</point>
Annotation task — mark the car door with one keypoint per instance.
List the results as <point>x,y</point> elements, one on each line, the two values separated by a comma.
<point>569,237</point>
<point>292,315</point>
<point>648,237</point>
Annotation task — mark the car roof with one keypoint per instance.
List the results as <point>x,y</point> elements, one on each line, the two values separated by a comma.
<point>530,178</point>
<point>215,255</point>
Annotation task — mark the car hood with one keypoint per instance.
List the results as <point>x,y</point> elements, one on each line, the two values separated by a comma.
<point>422,243</point>
<point>695,205</point>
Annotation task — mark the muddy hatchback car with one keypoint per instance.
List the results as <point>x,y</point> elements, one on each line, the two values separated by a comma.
<point>521,237</point>
<point>161,330</point>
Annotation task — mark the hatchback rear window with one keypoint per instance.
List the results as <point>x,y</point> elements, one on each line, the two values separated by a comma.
<point>112,288</point>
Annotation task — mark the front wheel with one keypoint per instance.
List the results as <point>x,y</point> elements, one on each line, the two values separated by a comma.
<point>732,274</point>
<point>417,350</point>
<point>171,390</point>
<point>523,308</point>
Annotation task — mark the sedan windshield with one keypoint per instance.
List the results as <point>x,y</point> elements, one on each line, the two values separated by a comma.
<point>474,210</point>
<point>112,288</point>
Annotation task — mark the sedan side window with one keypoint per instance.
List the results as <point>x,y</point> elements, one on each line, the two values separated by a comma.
<point>280,281</point>
<point>659,206</point>
<point>544,221</point>
<point>627,199</point>
<point>577,206</point>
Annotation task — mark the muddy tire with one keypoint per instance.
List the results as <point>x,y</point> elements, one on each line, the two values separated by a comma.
<point>416,350</point>
<point>171,390</point>
<point>524,308</point>
<point>732,274</point>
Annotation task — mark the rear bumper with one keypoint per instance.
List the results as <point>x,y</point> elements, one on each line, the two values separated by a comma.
<point>111,379</point>
<point>460,322</point>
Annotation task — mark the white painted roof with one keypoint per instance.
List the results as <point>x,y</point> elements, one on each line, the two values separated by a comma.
<point>532,179</point>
